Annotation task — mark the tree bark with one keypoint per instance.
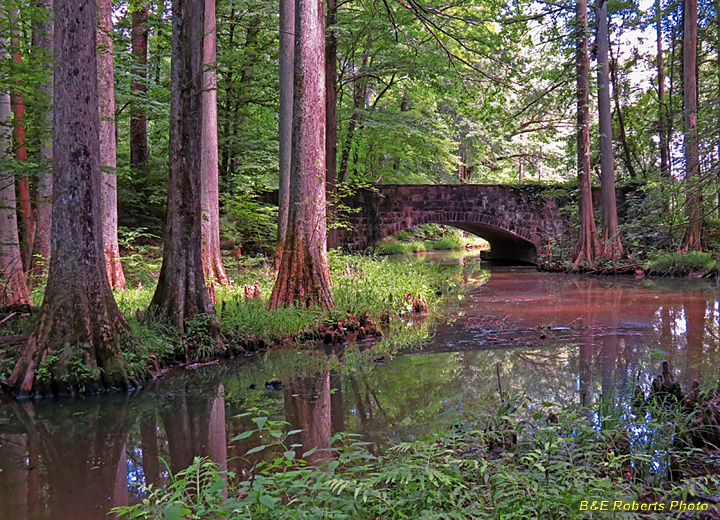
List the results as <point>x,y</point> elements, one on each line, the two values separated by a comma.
<point>80,322</point>
<point>588,245</point>
<point>692,239</point>
<point>139,153</point>
<point>303,274</point>
<point>108,155</point>
<point>43,41</point>
<point>612,247</point>
<point>24,200</point>
<point>331,121</point>
<point>287,64</point>
<point>181,294</point>
<point>13,290</point>
<point>663,108</point>
<point>210,193</point>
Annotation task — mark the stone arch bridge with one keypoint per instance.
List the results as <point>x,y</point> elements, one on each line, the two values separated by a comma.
<point>517,220</point>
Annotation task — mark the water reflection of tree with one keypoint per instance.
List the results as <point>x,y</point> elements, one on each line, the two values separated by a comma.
<point>82,446</point>
<point>195,427</point>
<point>308,408</point>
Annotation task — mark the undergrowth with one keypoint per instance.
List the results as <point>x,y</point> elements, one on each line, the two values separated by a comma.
<point>520,461</point>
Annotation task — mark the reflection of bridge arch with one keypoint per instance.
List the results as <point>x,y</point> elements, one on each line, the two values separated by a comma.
<point>517,221</point>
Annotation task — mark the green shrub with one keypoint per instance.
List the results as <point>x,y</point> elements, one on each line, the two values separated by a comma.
<point>680,263</point>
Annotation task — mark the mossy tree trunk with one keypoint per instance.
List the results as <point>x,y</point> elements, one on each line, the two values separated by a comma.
<point>181,293</point>
<point>303,272</point>
<point>77,340</point>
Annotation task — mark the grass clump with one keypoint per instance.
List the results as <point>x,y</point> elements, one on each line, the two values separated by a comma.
<point>678,264</point>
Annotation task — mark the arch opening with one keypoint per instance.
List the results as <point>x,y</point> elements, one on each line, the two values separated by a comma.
<point>505,246</point>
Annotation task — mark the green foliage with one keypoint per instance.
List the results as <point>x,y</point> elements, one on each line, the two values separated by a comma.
<point>250,223</point>
<point>680,263</point>
<point>510,463</point>
<point>427,237</point>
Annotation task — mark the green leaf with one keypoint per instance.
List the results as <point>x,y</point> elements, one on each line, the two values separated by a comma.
<point>268,501</point>
<point>256,449</point>
<point>172,512</point>
<point>309,452</point>
<point>260,421</point>
<point>243,435</point>
<point>289,455</point>
<point>293,432</point>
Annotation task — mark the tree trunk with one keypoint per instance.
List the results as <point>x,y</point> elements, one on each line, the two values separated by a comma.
<point>210,193</point>
<point>587,246</point>
<point>663,108</point>
<point>43,41</point>
<point>303,273</point>
<point>627,155</point>
<point>139,153</point>
<point>80,323</point>
<point>108,157</point>
<point>287,63</point>
<point>612,247</point>
<point>331,121</point>
<point>693,206</point>
<point>24,200</point>
<point>14,289</point>
<point>181,294</point>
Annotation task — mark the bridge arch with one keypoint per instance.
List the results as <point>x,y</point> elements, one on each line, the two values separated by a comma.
<point>517,245</point>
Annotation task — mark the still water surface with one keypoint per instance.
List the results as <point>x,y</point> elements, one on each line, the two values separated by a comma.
<point>554,337</point>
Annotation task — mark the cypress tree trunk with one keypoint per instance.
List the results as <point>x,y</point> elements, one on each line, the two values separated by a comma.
<point>139,153</point>
<point>80,323</point>
<point>108,145</point>
<point>212,261</point>
<point>287,63</point>
<point>612,247</point>
<point>43,41</point>
<point>587,246</point>
<point>663,108</point>
<point>331,120</point>
<point>13,290</point>
<point>24,199</point>
<point>693,205</point>
<point>303,273</point>
<point>181,294</point>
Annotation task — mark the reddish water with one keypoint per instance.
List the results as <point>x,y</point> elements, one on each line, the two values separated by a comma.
<point>551,336</point>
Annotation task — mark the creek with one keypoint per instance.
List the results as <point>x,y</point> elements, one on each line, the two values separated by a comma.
<point>553,337</point>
